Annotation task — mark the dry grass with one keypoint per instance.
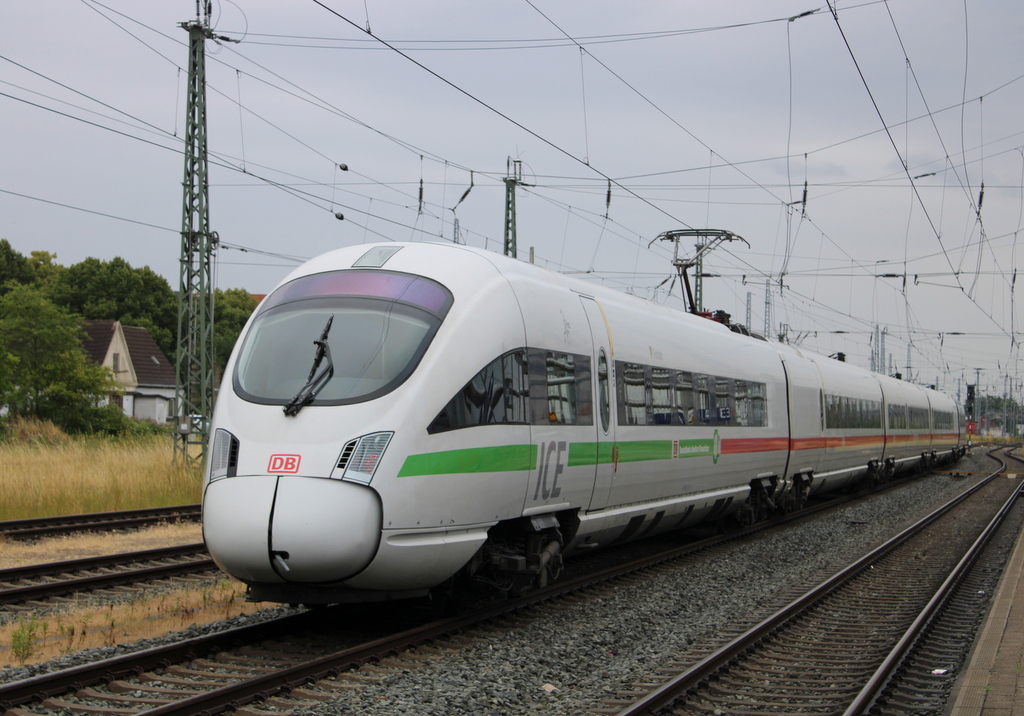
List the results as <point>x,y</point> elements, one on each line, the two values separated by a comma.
<point>46,473</point>
<point>33,430</point>
<point>14,553</point>
<point>58,475</point>
<point>32,639</point>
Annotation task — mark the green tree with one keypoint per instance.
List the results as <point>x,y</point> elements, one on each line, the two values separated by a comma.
<point>44,267</point>
<point>8,364</point>
<point>14,268</point>
<point>113,290</point>
<point>232,308</point>
<point>51,376</point>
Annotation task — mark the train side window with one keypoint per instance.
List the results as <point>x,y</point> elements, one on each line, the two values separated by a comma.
<point>724,405</point>
<point>602,389</point>
<point>685,414</point>
<point>740,391</point>
<point>703,398</point>
<point>498,394</point>
<point>897,417</point>
<point>758,410</point>
<point>632,394</point>
<point>660,400</point>
<point>918,418</point>
<point>561,392</point>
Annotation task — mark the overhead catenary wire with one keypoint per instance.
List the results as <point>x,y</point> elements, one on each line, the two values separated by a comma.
<point>913,185</point>
<point>504,116</point>
<point>323,197</point>
<point>278,184</point>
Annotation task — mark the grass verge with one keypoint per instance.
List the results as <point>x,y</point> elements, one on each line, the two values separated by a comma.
<point>76,475</point>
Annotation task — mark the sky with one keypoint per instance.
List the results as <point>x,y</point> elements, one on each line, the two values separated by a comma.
<point>870,154</point>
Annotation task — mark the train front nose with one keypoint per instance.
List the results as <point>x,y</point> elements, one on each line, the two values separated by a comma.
<point>293,529</point>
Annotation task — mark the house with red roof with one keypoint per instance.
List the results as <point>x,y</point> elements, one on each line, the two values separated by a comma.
<point>144,373</point>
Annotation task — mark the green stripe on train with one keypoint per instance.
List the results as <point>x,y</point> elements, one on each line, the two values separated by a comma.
<point>636,451</point>
<point>503,458</point>
<point>509,458</point>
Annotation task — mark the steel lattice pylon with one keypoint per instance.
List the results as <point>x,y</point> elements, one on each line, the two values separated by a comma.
<point>514,179</point>
<point>194,358</point>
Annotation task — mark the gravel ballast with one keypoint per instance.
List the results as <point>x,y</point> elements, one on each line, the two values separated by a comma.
<point>565,658</point>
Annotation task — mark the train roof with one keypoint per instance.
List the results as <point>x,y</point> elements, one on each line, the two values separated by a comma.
<point>452,264</point>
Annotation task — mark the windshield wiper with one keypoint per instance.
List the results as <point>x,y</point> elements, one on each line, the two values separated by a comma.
<point>315,381</point>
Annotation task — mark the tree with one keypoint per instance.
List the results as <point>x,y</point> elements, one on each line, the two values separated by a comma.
<point>51,377</point>
<point>8,363</point>
<point>44,267</point>
<point>113,290</point>
<point>14,268</point>
<point>232,308</point>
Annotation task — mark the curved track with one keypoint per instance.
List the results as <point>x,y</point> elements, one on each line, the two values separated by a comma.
<point>835,649</point>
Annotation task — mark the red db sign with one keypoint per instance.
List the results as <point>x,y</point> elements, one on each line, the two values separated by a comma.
<point>281,464</point>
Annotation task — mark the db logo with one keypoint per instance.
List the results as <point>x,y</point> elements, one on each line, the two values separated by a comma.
<point>283,463</point>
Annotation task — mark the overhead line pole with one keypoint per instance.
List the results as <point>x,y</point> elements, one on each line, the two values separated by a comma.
<point>194,358</point>
<point>514,170</point>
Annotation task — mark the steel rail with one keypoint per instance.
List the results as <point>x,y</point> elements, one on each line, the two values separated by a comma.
<point>97,521</point>
<point>14,595</point>
<point>47,685</point>
<point>702,670</point>
<point>77,677</point>
<point>876,685</point>
<point>235,695</point>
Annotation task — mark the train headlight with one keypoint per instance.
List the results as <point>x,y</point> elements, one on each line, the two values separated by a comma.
<point>223,455</point>
<point>360,457</point>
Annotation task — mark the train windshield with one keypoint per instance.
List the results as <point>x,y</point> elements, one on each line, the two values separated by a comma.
<point>382,325</point>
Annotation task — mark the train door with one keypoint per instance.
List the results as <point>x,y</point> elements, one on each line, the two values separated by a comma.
<point>603,451</point>
<point>806,423</point>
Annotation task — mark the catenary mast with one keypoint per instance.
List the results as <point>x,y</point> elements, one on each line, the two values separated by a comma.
<point>194,356</point>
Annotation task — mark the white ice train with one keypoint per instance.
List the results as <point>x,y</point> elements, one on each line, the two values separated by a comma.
<point>401,416</point>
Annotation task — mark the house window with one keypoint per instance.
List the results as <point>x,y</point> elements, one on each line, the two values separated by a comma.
<point>117,362</point>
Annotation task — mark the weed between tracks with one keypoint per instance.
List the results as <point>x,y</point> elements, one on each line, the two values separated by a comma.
<point>33,639</point>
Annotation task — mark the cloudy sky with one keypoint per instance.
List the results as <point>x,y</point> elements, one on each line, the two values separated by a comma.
<point>904,120</point>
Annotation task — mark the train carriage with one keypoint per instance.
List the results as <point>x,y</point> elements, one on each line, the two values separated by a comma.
<point>851,412</point>
<point>399,416</point>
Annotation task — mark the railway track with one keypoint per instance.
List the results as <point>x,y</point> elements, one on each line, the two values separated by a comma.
<point>879,635</point>
<point>97,522</point>
<point>267,664</point>
<point>26,587</point>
